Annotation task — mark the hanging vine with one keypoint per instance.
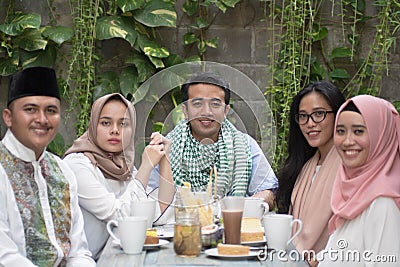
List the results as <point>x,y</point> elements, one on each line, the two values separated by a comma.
<point>299,56</point>
<point>290,62</point>
<point>81,73</point>
<point>375,65</point>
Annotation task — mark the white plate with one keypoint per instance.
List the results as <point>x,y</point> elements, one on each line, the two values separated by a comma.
<point>255,243</point>
<point>165,232</point>
<point>161,242</point>
<point>213,252</point>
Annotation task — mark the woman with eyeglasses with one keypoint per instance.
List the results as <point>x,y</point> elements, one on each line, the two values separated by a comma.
<point>306,178</point>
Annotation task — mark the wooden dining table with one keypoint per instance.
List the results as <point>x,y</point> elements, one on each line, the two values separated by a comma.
<point>164,255</point>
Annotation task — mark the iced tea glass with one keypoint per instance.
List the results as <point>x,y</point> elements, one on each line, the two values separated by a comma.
<point>187,233</point>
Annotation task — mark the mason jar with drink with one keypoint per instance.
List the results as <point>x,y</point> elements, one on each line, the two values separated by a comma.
<point>187,231</point>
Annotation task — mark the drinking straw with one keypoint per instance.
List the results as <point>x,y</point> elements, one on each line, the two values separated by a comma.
<point>215,182</point>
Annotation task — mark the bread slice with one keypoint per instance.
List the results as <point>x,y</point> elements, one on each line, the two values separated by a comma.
<point>251,230</point>
<point>151,237</point>
<point>227,249</point>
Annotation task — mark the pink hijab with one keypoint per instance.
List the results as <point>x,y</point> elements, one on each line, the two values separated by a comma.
<point>355,188</point>
<point>117,166</point>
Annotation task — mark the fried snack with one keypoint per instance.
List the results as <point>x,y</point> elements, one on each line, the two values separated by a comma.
<point>251,230</point>
<point>151,237</point>
<point>227,249</point>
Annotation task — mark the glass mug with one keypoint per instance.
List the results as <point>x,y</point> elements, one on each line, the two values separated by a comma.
<point>187,233</point>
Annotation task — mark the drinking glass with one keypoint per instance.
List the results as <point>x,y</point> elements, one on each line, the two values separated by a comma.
<point>232,213</point>
<point>187,233</point>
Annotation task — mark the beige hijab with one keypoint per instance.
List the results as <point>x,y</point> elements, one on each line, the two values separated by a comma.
<point>117,166</point>
<point>311,201</point>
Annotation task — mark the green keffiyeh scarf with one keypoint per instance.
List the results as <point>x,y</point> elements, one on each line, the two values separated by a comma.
<point>192,161</point>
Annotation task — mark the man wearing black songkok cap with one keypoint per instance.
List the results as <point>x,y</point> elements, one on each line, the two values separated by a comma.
<point>42,224</point>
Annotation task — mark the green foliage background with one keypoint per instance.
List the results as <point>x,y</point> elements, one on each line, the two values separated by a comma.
<point>296,51</point>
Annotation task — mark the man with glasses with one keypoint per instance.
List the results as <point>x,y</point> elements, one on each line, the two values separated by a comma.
<point>206,139</point>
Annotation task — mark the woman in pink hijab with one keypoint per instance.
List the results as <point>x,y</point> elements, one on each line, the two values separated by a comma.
<point>365,200</point>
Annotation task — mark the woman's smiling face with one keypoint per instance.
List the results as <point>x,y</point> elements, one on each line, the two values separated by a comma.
<point>351,139</point>
<point>319,134</point>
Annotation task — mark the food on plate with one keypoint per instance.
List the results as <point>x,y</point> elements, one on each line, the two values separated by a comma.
<point>227,249</point>
<point>251,230</point>
<point>151,237</point>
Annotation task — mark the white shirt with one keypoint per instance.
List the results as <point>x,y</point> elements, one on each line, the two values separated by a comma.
<point>368,240</point>
<point>104,199</point>
<point>12,237</point>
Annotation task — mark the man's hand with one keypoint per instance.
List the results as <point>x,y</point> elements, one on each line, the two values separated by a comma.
<point>268,197</point>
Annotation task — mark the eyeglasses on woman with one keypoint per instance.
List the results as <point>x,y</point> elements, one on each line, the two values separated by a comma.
<point>316,116</point>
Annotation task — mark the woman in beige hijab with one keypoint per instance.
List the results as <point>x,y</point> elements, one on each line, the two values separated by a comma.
<point>306,179</point>
<point>103,162</point>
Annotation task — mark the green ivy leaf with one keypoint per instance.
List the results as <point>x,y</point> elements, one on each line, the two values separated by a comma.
<point>108,82</point>
<point>39,58</point>
<point>201,46</point>
<point>279,76</point>
<point>173,59</point>
<point>200,24</point>
<point>8,66</point>
<point>220,6</point>
<point>58,34</point>
<point>318,70</point>
<point>190,38</point>
<point>339,74</point>
<point>145,70</point>
<point>128,81</point>
<point>111,27</point>
<point>320,34</point>
<point>151,48</point>
<point>190,7</point>
<point>340,52</point>
<point>129,5</point>
<point>31,40</point>
<point>194,58</point>
<point>141,92</point>
<point>213,42</point>
<point>359,4</point>
<point>177,114</point>
<point>116,27</point>
<point>18,22</point>
<point>157,13</point>
<point>353,39</point>
<point>157,62</point>
<point>158,126</point>
<point>230,3</point>
<point>153,51</point>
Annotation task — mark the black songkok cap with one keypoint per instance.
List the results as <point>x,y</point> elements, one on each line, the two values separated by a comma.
<point>209,78</point>
<point>36,81</point>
